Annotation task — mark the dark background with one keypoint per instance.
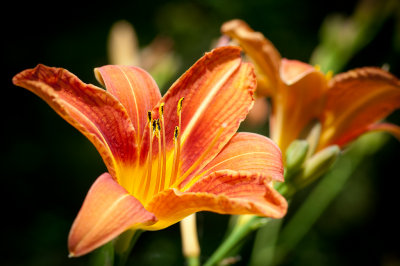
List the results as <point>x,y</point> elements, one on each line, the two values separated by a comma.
<point>47,166</point>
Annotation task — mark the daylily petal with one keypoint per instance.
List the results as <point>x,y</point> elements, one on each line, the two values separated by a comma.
<point>291,71</point>
<point>134,88</point>
<point>356,100</point>
<point>225,192</point>
<point>93,111</point>
<point>298,102</point>
<point>218,93</point>
<point>387,127</point>
<point>260,50</point>
<point>249,152</point>
<point>107,211</point>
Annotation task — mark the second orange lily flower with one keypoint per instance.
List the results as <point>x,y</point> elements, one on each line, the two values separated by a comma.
<point>167,157</point>
<point>347,105</point>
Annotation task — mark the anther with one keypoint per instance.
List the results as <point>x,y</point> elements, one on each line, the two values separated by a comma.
<point>162,146</point>
<point>149,118</point>
<point>154,125</point>
<point>179,108</point>
<point>161,109</point>
<point>158,125</point>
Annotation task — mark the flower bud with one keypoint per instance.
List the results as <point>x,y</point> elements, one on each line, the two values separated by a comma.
<point>316,166</point>
<point>295,155</point>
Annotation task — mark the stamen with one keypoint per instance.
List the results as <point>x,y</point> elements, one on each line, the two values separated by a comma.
<point>175,163</point>
<point>201,158</point>
<point>179,113</point>
<point>179,108</point>
<point>161,111</point>
<point>139,189</point>
<point>156,188</point>
<point>155,126</point>
<point>149,160</point>
<point>177,143</point>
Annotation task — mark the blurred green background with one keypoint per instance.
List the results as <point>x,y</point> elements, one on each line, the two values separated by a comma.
<point>48,166</point>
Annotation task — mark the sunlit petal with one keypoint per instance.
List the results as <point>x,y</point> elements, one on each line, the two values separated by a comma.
<point>260,50</point>
<point>297,102</point>
<point>356,100</point>
<point>93,111</point>
<point>225,192</point>
<point>107,211</point>
<point>387,127</point>
<point>217,93</point>
<point>291,71</point>
<point>251,153</point>
<point>134,88</point>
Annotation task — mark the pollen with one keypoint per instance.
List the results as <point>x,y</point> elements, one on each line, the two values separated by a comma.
<point>176,133</point>
<point>179,108</point>
<point>161,109</point>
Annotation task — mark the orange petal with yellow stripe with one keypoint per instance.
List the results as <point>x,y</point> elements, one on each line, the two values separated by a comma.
<point>251,153</point>
<point>107,211</point>
<point>94,112</point>
<point>387,127</point>
<point>261,51</point>
<point>218,93</point>
<point>134,88</point>
<point>355,101</point>
<point>298,101</point>
<point>224,192</point>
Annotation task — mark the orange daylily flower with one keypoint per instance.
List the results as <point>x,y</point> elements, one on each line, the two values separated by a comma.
<point>166,158</point>
<point>347,105</point>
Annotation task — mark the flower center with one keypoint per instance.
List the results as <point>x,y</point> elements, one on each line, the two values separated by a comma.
<point>159,173</point>
<point>162,171</point>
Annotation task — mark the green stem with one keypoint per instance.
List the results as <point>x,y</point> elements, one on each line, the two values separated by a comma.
<point>237,235</point>
<point>193,261</point>
<point>123,245</point>
<point>264,244</point>
<point>103,256</point>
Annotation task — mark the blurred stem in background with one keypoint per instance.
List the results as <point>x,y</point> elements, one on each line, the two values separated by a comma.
<point>123,245</point>
<point>190,242</point>
<point>341,39</point>
<point>103,256</point>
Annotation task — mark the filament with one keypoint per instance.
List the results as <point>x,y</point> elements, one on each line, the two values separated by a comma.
<point>157,184</point>
<point>148,164</point>
<point>175,163</point>
<point>164,160</point>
